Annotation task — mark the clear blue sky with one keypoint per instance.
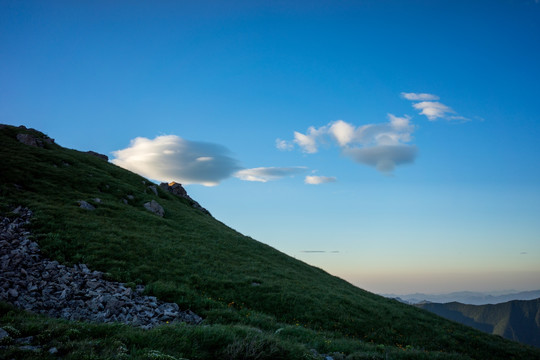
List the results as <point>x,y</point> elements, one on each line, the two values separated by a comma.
<point>392,143</point>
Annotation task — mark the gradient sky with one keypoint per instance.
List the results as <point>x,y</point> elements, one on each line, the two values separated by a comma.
<point>391,143</point>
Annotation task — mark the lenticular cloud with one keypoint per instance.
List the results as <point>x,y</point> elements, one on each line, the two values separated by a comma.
<point>171,158</point>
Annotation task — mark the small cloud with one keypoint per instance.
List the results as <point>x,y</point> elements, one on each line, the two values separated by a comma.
<point>308,141</point>
<point>171,158</point>
<point>264,174</point>
<point>284,145</point>
<point>433,109</point>
<point>419,97</point>
<point>316,180</point>
<point>383,157</point>
<point>523,253</point>
<point>319,251</point>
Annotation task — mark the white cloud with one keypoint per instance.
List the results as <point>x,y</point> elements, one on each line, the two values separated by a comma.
<point>433,109</point>
<point>284,145</point>
<point>419,96</point>
<point>316,180</point>
<point>308,141</point>
<point>171,158</point>
<point>382,145</point>
<point>264,174</point>
<point>343,132</point>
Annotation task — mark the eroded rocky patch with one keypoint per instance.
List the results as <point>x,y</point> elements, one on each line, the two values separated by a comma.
<point>31,282</point>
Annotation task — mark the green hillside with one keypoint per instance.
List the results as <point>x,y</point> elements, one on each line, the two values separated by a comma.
<point>517,320</point>
<point>257,302</point>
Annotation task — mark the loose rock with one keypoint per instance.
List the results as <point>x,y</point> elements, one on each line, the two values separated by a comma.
<point>75,293</point>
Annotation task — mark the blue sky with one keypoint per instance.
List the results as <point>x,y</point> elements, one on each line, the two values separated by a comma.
<point>391,143</point>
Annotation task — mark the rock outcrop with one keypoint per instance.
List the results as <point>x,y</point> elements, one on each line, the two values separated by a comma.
<point>178,190</point>
<point>31,282</point>
<point>31,140</point>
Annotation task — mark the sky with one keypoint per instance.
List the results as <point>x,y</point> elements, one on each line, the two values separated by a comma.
<point>394,144</point>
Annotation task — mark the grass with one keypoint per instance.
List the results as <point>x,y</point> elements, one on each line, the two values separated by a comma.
<point>256,301</point>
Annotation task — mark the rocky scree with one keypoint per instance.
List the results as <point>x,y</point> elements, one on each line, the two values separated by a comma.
<point>31,282</point>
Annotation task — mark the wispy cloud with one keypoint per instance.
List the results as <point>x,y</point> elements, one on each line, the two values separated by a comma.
<point>419,97</point>
<point>431,108</point>
<point>264,174</point>
<point>284,145</point>
<point>383,146</point>
<point>171,158</point>
<point>316,180</point>
<point>319,251</point>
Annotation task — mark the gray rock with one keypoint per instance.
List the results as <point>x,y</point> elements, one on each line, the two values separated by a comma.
<point>153,206</point>
<point>84,205</point>
<point>3,334</point>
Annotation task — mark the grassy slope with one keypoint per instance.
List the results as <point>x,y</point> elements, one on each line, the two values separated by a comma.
<point>198,262</point>
<point>517,320</point>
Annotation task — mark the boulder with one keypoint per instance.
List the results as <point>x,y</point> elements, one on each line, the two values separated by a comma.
<point>154,207</point>
<point>175,189</point>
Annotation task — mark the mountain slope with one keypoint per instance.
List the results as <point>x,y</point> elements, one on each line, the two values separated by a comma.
<point>190,258</point>
<point>517,320</point>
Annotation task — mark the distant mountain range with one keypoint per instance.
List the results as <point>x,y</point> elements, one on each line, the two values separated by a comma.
<point>517,320</point>
<point>467,297</point>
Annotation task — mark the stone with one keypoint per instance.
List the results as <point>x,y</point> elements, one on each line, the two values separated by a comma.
<point>3,334</point>
<point>153,188</point>
<point>153,206</point>
<point>53,351</point>
<point>85,205</point>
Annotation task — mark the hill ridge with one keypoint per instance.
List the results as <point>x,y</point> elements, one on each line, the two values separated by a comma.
<point>517,320</point>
